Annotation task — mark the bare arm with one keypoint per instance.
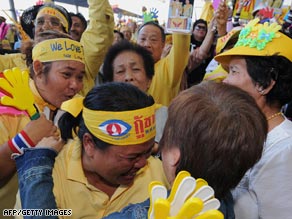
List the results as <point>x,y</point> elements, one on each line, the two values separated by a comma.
<point>201,53</point>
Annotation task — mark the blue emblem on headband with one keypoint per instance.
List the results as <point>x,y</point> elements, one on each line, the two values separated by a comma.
<point>115,127</point>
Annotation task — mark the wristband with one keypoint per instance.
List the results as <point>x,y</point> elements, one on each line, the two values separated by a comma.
<point>19,142</point>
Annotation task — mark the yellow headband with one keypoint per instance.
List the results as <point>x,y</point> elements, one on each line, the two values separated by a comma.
<point>116,128</point>
<point>58,49</point>
<point>54,12</point>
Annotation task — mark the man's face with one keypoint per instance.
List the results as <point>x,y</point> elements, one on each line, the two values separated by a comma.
<point>77,28</point>
<point>127,33</point>
<point>150,38</point>
<point>47,22</point>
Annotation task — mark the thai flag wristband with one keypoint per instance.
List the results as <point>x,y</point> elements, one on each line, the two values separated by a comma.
<point>19,142</point>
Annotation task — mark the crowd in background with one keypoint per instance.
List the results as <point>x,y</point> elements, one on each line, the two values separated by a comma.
<point>95,111</point>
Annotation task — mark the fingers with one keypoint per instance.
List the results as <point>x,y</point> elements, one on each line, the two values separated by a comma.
<point>25,77</point>
<point>52,143</point>
<point>7,101</point>
<point>4,84</point>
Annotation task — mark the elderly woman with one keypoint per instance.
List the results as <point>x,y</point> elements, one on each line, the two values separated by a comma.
<point>260,63</point>
<point>133,64</point>
<point>56,69</point>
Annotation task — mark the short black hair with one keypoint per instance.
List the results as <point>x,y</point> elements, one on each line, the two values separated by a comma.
<point>120,33</point>
<point>81,17</point>
<point>123,46</point>
<point>154,23</point>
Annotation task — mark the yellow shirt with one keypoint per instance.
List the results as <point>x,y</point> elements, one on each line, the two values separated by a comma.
<point>169,70</point>
<point>72,190</point>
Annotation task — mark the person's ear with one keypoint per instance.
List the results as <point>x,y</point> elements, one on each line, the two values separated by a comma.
<point>37,68</point>
<point>265,91</point>
<point>88,145</point>
<point>174,156</point>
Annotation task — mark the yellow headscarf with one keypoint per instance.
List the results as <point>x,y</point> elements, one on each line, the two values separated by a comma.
<point>116,128</point>
<point>58,49</point>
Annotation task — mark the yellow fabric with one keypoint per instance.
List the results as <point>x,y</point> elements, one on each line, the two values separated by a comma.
<point>121,128</point>
<point>169,70</point>
<point>96,40</point>
<point>73,106</point>
<point>54,12</point>
<point>222,41</point>
<point>218,75</point>
<point>39,101</point>
<point>279,45</point>
<point>207,11</point>
<point>10,61</point>
<point>73,191</point>
<point>58,49</point>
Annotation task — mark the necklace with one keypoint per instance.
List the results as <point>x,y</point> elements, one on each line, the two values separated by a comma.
<point>274,115</point>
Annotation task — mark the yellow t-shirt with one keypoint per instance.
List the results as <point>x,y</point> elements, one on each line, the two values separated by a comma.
<point>169,70</point>
<point>73,191</point>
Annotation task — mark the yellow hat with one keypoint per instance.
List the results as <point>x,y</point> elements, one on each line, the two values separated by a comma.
<point>222,41</point>
<point>259,40</point>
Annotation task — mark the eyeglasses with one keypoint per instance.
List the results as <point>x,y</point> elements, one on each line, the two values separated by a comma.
<point>53,22</point>
<point>200,28</point>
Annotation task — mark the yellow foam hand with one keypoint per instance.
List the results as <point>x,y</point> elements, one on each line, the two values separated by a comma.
<point>189,198</point>
<point>211,214</point>
<point>16,83</point>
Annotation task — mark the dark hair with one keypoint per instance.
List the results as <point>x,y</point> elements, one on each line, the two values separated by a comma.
<point>120,33</point>
<point>200,21</point>
<point>153,23</point>
<point>264,69</point>
<point>81,17</point>
<point>112,96</point>
<point>27,46</point>
<point>220,132</point>
<point>124,46</point>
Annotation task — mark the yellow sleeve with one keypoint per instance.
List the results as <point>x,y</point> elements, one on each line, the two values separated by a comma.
<point>9,61</point>
<point>96,39</point>
<point>169,71</point>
